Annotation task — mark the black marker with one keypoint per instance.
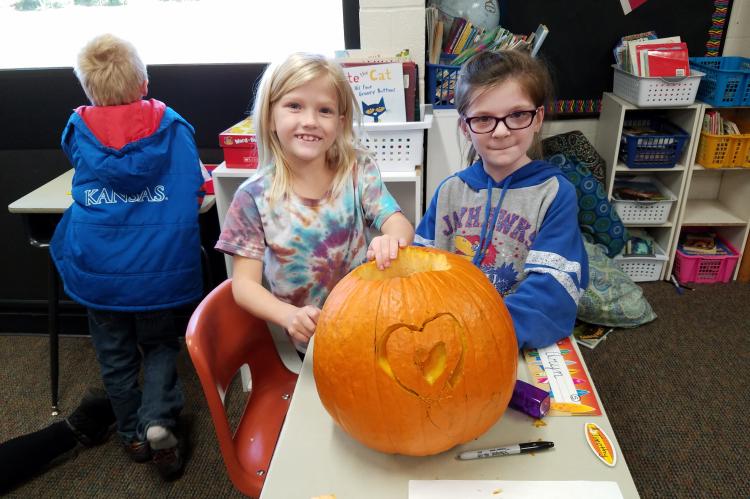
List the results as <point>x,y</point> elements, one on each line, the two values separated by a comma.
<point>506,451</point>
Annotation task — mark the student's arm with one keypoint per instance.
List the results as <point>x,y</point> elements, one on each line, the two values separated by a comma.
<point>544,305</point>
<point>397,233</point>
<point>250,294</point>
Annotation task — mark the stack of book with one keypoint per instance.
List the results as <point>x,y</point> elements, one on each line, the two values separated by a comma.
<point>702,243</point>
<point>644,54</point>
<point>456,39</point>
<point>715,124</point>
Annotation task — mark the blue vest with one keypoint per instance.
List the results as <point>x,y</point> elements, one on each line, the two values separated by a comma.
<point>130,241</point>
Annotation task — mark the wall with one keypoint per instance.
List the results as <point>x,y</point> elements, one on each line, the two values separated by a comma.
<point>738,33</point>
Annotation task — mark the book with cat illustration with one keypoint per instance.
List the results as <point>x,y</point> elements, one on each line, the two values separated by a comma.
<point>379,90</point>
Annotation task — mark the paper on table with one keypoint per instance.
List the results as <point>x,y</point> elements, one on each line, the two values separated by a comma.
<point>506,489</point>
<point>560,381</point>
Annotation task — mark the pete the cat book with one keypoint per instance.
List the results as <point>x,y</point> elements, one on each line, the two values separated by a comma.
<point>379,90</point>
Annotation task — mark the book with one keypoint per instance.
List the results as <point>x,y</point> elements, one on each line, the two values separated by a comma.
<point>379,90</point>
<point>627,190</point>
<point>452,38</point>
<point>663,59</point>
<point>632,55</point>
<point>590,335</point>
<point>411,85</point>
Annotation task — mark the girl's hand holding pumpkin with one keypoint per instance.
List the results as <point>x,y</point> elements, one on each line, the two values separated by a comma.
<point>301,323</point>
<point>383,249</point>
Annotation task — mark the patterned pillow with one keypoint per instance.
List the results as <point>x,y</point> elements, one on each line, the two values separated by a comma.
<point>599,222</point>
<point>612,298</point>
<point>575,146</point>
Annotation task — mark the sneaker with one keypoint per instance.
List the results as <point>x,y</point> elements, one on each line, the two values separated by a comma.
<point>170,462</point>
<point>93,420</point>
<point>140,452</point>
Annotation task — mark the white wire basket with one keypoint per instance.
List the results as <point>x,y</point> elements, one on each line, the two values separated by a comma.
<point>643,268</point>
<point>398,147</point>
<point>656,92</point>
<point>646,212</point>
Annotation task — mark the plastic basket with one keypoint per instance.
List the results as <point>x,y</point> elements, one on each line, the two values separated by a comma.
<point>723,151</point>
<point>727,80</point>
<point>706,268</point>
<point>652,150</point>
<point>398,147</point>
<point>441,85</point>
<point>645,212</point>
<point>643,268</point>
<point>656,92</point>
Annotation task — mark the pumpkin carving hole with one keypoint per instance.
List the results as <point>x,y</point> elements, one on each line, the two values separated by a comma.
<point>407,263</point>
<point>433,363</point>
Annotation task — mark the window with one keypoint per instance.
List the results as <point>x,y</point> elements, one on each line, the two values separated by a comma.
<point>49,33</point>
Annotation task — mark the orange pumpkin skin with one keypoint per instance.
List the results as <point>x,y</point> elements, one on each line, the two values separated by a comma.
<point>417,358</point>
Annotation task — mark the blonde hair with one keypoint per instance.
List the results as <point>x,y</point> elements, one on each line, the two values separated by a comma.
<point>277,81</point>
<point>110,71</point>
<point>487,70</point>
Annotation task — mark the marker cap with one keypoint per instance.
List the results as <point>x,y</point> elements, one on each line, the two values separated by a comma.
<point>530,400</point>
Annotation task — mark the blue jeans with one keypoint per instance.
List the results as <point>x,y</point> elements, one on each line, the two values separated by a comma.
<point>122,340</point>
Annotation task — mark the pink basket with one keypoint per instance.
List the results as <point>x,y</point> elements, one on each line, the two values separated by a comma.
<point>706,268</point>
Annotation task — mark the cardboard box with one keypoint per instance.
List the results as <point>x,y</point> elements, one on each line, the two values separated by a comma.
<point>239,145</point>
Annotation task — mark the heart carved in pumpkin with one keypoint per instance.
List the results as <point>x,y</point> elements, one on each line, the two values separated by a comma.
<point>425,360</point>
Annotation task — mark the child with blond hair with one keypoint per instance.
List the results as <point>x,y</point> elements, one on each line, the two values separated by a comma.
<point>128,248</point>
<point>302,221</point>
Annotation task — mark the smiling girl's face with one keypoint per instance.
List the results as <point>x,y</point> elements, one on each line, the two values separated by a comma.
<point>307,121</point>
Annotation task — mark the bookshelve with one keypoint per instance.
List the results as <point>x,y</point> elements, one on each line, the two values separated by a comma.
<point>613,114</point>
<point>717,197</point>
<point>706,197</point>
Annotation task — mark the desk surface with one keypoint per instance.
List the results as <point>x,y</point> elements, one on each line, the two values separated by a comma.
<point>315,457</point>
<point>54,197</point>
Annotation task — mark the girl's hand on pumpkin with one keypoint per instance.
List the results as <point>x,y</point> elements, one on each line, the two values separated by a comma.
<point>383,249</point>
<point>301,323</point>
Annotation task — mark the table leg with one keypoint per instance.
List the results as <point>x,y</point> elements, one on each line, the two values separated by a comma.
<point>52,298</point>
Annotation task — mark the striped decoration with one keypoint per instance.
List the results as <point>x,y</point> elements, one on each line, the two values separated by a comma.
<point>716,31</point>
<point>575,106</point>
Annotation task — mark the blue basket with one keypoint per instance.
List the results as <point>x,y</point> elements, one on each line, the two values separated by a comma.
<point>727,80</point>
<point>652,150</point>
<point>441,85</point>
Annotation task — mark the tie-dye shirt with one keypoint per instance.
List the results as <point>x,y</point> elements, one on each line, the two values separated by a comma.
<point>307,245</point>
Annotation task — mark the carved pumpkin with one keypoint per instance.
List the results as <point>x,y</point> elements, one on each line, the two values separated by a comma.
<point>417,358</point>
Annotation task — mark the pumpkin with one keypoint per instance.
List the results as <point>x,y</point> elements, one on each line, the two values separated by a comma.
<point>416,358</point>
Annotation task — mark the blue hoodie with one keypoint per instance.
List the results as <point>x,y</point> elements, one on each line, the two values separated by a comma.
<point>130,241</point>
<point>523,233</point>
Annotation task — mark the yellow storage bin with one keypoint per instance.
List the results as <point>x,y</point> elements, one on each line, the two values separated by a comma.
<point>723,151</point>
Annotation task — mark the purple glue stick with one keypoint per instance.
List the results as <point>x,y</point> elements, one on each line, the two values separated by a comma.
<point>530,400</point>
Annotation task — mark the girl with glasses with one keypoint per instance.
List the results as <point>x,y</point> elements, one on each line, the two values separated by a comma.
<point>514,217</point>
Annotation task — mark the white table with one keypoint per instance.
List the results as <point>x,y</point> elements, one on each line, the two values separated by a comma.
<point>315,457</point>
<point>41,210</point>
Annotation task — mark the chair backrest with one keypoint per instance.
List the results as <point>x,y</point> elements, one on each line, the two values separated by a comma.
<point>220,338</point>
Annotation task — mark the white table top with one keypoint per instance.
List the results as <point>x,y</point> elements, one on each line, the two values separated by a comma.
<point>55,197</point>
<point>314,457</point>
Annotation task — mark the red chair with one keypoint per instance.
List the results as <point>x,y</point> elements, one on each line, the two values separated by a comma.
<point>220,338</point>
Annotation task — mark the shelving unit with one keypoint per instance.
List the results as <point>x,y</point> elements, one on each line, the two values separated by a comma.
<point>716,198</point>
<point>613,114</point>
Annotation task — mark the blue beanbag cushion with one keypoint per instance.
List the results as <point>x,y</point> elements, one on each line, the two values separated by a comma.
<point>599,221</point>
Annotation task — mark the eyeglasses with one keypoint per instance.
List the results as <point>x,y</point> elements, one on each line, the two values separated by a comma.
<point>517,120</point>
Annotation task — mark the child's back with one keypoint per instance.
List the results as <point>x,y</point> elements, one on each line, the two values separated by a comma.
<point>128,248</point>
<point>131,238</point>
